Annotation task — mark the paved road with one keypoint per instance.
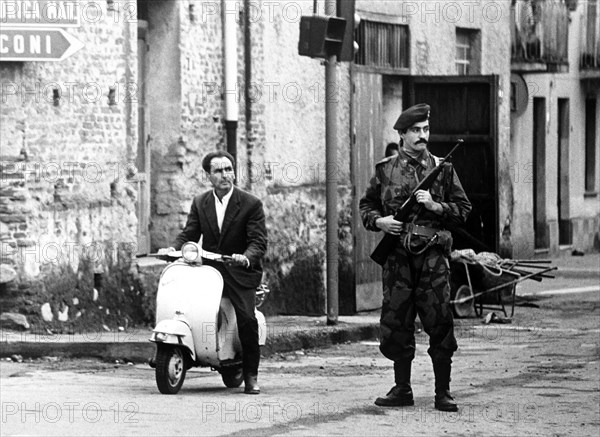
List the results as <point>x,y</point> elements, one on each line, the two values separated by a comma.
<point>536,376</point>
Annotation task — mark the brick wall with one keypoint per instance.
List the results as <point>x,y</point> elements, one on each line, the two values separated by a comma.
<point>67,211</point>
<point>293,94</point>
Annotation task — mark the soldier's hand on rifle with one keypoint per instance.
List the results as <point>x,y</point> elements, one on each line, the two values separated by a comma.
<point>424,198</point>
<point>389,225</point>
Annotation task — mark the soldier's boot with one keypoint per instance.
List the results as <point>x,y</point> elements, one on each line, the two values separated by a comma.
<point>443,399</point>
<point>401,394</point>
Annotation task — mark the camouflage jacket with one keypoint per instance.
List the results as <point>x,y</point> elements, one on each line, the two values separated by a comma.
<point>395,179</point>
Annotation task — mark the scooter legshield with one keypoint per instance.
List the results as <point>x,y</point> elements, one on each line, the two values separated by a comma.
<point>193,292</point>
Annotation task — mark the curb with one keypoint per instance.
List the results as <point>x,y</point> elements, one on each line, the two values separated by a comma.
<point>320,337</point>
<point>140,351</point>
<point>130,351</point>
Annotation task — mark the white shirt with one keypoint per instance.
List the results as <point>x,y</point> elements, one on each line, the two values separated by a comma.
<point>221,206</point>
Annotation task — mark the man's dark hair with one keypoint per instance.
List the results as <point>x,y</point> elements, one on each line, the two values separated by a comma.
<point>391,147</point>
<point>218,154</point>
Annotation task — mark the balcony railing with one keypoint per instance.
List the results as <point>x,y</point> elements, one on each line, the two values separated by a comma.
<point>540,32</point>
<point>590,36</point>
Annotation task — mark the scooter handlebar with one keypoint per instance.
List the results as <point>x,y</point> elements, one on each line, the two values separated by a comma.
<point>169,256</point>
<point>176,254</point>
<point>214,256</point>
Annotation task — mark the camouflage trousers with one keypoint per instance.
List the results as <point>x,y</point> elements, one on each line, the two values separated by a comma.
<point>416,284</point>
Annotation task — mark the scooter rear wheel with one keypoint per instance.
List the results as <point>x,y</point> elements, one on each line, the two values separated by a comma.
<point>170,369</point>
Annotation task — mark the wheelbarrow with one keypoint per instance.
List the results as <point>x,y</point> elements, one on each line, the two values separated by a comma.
<point>476,286</point>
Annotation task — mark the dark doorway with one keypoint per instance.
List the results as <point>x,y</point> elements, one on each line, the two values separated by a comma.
<point>564,224</point>
<point>590,145</point>
<point>465,107</point>
<point>539,173</point>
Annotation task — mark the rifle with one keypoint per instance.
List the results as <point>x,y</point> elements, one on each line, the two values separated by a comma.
<point>388,242</point>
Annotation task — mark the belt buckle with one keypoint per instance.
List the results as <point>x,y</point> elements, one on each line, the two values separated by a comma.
<point>420,230</point>
<point>425,231</point>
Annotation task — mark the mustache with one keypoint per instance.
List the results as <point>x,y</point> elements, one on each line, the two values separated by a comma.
<point>422,140</point>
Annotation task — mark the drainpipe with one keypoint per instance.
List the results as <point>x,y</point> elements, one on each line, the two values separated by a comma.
<point>247,94</point>
<point>230,75</point>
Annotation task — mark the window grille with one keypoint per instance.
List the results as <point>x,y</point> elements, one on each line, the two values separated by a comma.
<point>382,45</point>
<point>463,52</point>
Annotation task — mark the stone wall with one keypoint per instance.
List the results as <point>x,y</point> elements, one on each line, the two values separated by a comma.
<point>67,211</point>
<point>295,171</point>
<point>192,38</point>
<point>280,150</point>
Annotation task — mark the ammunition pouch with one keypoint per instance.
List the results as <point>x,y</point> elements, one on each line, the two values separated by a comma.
<point>445,241</point>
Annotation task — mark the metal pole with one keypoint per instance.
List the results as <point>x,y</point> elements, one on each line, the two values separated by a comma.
<point>230,76</point>
<point>331,118</point>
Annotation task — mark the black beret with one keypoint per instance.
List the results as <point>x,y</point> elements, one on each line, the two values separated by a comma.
<point>412,115</point>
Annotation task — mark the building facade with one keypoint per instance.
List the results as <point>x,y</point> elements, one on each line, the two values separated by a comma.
<point>101,151</point>
<point>555,127</point>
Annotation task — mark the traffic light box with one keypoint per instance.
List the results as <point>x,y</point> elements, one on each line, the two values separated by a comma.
<point>320,36</point>
<point>323,36</point>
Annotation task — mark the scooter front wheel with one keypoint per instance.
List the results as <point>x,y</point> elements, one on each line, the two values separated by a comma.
<point>170,369</point>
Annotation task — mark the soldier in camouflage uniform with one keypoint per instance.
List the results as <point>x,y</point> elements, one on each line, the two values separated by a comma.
<point>416,273</point>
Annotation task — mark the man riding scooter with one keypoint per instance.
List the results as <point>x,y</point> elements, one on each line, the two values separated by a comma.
<point>231,222</point>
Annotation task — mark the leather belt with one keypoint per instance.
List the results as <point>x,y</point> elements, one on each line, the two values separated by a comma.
<point>422,231</point>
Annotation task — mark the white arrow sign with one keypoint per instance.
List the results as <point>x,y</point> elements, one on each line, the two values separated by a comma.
<point>35,44</point>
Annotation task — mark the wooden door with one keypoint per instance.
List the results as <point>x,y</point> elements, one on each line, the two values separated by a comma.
<point>466,107</point>
<point>367,150</point>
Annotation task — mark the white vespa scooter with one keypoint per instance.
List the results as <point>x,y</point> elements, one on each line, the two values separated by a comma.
<point>195,324</point>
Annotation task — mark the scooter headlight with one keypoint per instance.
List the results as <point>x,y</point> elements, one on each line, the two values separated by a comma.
<point>190,252</point>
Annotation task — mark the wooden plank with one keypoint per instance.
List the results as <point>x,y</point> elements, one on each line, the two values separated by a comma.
<point>143,146</point>
<point>368,150</point>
